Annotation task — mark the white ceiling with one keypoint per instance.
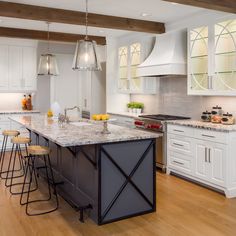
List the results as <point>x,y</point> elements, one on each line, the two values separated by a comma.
<point>158,11</point>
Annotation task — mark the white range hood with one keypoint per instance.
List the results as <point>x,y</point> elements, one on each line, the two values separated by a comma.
<point>168,57</point>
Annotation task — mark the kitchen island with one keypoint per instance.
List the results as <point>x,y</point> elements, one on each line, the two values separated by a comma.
<point>112,176</point>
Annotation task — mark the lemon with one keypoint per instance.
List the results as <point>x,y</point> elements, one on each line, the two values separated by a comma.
<point>94,117</point>
<point>98,117</point>
<point>49,113</point>
<point>105,117</point>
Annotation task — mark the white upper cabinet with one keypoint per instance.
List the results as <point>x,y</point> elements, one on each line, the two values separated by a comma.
<point>3,67</point>
<point>18,66</point>
<point>15,68</point>
<point>130,54</point>
<point>29,60</point>
<point>212,59</point>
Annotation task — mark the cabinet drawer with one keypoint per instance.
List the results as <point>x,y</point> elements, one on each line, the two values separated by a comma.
<point>180,130</point>
<point>180,144</point>
<point>210,135</point>
<point>180,162</point>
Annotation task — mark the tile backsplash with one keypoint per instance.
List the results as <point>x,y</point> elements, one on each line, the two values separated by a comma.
<point>172,99</point>
<point>10,101</point>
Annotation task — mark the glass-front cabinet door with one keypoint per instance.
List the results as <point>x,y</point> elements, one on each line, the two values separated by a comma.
<point>225,56</point>
<point>198,59</point>
<point>130,56</point>
<point>135,60</point>
<point>123,82</point>
<point>212,59</point>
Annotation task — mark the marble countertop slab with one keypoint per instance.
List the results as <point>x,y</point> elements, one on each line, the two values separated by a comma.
<point>76,135</point>
<point>3,112</point>
<point>204,125</point>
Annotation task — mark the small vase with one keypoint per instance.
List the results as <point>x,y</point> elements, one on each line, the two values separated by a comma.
<point>139,110</point>
<point>134,110</point>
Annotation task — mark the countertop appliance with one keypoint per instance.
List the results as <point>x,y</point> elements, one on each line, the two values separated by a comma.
<point>157,123</point>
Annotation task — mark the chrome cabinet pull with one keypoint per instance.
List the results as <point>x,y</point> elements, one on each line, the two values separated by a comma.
<point>208,136</point>
<point>209,155</point>
<point>177,144</point>
<point>177,130</point>
<point>205,154</point>
<point>177,162</point>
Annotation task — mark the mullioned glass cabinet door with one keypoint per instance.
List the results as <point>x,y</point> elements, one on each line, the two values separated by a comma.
<point>123,82</point>
<point>199,59</point>
<point>225,56</point>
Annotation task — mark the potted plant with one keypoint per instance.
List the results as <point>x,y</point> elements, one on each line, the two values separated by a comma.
<point>139,107</point>
<point>129,106</point>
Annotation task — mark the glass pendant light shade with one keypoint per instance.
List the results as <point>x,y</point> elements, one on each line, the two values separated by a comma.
<point>85,58</point>
<point>48,65</point>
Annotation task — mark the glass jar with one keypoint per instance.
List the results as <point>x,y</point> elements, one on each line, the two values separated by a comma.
<point>228,119</point>
<point>206,116</point>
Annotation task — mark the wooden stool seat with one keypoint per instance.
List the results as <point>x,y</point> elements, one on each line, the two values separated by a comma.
<point>20,140</point>
<point>37,150</point>
<point>10,133</point>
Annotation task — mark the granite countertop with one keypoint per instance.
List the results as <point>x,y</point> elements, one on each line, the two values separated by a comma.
<point>89,133</point>
<point>125,114</point>
<point>2,112</point>
<point>204,125</point>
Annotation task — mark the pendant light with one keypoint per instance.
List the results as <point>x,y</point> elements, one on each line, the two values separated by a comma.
<point>48,62</point>
<point>85,58</point>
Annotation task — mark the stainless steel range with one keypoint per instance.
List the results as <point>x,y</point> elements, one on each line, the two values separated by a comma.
<point>157,123</point>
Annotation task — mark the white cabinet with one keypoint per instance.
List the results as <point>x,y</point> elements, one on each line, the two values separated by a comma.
<point>131,53</point>
<point>18,66</point>
<point>3,67</point>
<point>205,156</point>
<point>6,124</point>
<point>29,68</point>
<point>210,162</point>
<point>211,60</point>
<point>201,169</point>
<point>15,68</point>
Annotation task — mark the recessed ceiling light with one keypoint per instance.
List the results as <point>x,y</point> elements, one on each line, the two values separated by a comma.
<point>144,14</point>
<point>174,3</point>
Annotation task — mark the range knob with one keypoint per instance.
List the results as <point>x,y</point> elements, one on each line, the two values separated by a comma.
<point>139,123</point>
<point>156,126</point>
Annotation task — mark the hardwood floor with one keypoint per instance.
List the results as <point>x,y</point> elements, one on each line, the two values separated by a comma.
<point>183,208</point>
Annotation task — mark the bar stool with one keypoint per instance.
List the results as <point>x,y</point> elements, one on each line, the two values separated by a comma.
<point>17,142</point>
<point>36,151</point>
<point>6,134</point>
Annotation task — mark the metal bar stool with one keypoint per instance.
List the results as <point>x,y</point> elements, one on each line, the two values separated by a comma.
<point>17,142</point>
<point>6,134</point>
<point>37,152</point>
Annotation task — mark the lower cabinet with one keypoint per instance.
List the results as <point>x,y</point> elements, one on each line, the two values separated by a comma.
<point>6,124</point>
<point>210,160</point>
<point>203,155</point>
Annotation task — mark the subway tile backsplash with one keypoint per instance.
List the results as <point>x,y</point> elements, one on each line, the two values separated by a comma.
<point>172,99</point>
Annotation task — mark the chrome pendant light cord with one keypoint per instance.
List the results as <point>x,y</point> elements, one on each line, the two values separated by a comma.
<point>86,21</point>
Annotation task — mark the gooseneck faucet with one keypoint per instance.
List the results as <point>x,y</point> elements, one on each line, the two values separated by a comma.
<point>69,109</point>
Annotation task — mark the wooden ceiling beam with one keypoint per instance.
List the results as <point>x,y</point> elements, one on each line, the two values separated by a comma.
<point>219,5</point>
<point>38,13</point>
<point>42,35</point>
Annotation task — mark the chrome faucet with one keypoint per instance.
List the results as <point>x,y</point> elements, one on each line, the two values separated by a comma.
<point>69,109</point>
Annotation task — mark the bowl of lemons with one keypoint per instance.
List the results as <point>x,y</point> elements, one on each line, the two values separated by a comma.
<point>103,118</point>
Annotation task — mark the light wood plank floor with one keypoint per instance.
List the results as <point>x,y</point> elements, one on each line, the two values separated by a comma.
<point>183,208</point>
